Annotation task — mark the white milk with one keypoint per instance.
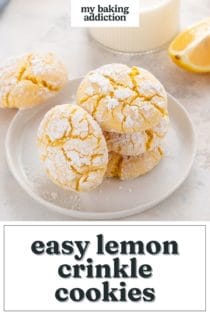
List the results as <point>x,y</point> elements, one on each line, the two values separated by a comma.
<point>159,23</point>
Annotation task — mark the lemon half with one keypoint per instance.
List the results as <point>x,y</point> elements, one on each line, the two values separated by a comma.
<point>191,48</point>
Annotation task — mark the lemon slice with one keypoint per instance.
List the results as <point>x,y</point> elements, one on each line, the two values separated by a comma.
<point>191,49</point>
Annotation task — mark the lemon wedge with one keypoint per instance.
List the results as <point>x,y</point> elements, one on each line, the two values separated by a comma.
<point>191,48</point>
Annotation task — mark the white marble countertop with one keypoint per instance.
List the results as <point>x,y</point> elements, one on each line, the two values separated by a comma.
<point>44,25</point>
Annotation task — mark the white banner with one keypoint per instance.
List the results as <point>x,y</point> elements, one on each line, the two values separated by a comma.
<point>105,13</point>
<point>99,267</point>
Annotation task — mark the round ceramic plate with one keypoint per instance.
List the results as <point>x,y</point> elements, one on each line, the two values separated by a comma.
<point>114,198</point>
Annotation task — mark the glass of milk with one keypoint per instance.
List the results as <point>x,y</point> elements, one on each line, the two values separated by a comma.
<point>159,23</point>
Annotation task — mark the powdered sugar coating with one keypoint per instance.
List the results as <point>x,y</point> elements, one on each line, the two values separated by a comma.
<point>123,99</point>
<point>101,81</point>
<point>111,102</point>
<point>122,93</point>
<point>72,148</point>
<point>129,167</point>
<point>30,79</point>
<point>126,144</point>
<point>133,144</point>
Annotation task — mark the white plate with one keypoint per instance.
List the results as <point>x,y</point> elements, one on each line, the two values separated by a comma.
<point>113,199</point>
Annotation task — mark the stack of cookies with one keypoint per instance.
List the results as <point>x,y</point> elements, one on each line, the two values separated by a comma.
<point>130,105</point>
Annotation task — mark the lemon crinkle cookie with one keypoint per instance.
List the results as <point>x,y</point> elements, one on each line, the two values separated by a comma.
<point>123,99</point>
<point>72,148</point>
<point>30,79</point>
<point>138,142</point>
<point>128,167</point>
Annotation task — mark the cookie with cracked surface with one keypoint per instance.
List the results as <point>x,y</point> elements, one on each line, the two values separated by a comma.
<point>128,167</point>
<point>123,99</point>
<point>72,148</point>
<point>138,142</point>
<point>31,79</point>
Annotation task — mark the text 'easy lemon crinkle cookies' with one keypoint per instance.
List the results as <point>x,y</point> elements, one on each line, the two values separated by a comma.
<point>123,99</point>
<point>72,148</point>
<point>30,79</point>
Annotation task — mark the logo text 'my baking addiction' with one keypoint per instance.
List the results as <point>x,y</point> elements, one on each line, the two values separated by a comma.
<point>105,13</point>
<point>111,252</point>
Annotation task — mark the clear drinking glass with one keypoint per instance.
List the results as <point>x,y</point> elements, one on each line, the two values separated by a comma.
<point>159,23</point>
